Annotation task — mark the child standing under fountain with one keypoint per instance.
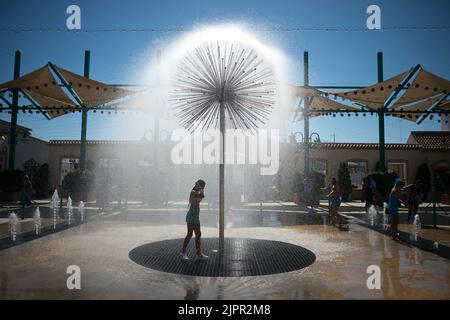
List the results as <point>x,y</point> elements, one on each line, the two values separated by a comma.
<point>193,220</point>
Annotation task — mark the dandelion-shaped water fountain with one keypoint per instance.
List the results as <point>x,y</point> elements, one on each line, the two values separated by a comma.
<point>37,221</point>
<point>81,210</point>
<point>55,203</point>
<point>13,221</point>
<point>417,227</point>
<point>69,210</point>
<point>218,81</point>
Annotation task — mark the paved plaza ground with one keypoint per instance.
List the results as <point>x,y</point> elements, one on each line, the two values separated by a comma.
<point>37,269</point>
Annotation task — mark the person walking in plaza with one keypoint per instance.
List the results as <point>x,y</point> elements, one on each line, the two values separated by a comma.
<point>335,198</point>
<point>193,220</point>
<point>395,197</point>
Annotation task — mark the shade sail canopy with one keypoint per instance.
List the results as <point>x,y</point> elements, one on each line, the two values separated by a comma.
<point>373,96</point>
<point>420,105</point>
<point>42,83</point>
<point>46,90</point>
<point>50,103</point>
<point>445,106</point>
<point>425,85</point>
<point>93,93</point>
<point>301,92</point>
<point>317,101</point>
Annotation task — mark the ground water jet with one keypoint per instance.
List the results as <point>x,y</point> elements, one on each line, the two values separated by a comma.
<point>417,227</point>
<point>69,210</point>
<point>37,221</point>
<point>371,214</point>
<point>81,210</point>
<point>54,204</point>
<point>385,216</point>
<point>13,221</point>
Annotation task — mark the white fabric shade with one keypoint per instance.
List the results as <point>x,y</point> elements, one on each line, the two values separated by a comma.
<point>93,93</point>
<point>373,96</point>
<point>42,83</point>
<point>425,85</point>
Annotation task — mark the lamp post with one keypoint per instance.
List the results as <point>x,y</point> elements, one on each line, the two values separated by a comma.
<point>316,141</point>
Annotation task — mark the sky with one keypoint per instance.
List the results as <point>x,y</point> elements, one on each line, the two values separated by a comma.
<point>336,58</point>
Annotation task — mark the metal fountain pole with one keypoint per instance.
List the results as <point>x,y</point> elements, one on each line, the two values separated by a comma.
<point>306,113</point>
<point>222,176</point>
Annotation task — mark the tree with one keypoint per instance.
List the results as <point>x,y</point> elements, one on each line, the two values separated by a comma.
<point>344,181</point>
<point>40,181</point>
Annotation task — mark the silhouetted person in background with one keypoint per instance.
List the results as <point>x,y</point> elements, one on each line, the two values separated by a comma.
<point>414,199</point>
<point>193,220</point>
<point>369,188</point>
<point>27,190</point>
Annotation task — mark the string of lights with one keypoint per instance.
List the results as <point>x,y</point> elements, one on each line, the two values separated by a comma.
<point>258,29</point>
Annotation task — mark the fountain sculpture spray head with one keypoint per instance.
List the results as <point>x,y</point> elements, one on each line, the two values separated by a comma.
<point>222,74</point>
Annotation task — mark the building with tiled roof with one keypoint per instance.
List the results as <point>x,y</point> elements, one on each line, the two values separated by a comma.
<point>430,140</point>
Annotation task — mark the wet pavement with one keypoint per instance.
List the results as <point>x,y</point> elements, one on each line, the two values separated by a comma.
<point>37,269</point>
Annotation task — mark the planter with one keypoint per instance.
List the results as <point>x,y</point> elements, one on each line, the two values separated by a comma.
<point>8,196</point>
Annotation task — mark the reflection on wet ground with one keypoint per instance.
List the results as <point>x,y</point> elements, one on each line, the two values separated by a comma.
<point>233,219</point>
<point>100,248</point>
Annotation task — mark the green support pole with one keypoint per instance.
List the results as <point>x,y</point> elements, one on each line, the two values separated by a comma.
<point>306,113</point>
<point>14,112</point>
<point>84,114</point>
<point>381,111</point>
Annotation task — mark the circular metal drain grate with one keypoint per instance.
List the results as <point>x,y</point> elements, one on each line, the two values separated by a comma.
<point>243,257</point>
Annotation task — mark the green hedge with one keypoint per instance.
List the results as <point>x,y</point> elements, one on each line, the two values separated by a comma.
<point>79,181</point>
<point>318,182</point>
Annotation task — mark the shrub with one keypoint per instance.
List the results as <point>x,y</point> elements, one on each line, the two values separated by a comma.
<point>11,180</point>
<point>318,182</point>
<point>78,181</point>
<point>344,181</point>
